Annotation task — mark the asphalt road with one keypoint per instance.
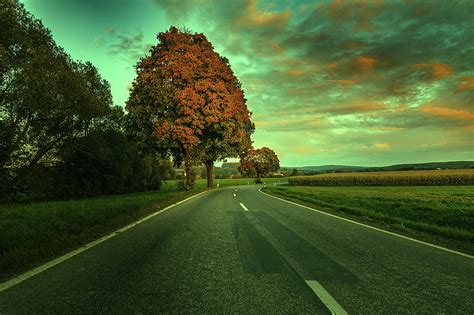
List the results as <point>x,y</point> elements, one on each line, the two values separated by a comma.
<point>236,250</point>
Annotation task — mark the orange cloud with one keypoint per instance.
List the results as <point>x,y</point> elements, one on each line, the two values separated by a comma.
<point>364,107</point>
<point>331,65</point>
<point>295,91</point>
<point>290,124</point>
<point>364,63</point>
<point>343,82</point>
<point>257,17</point>
<point>448,112</point>
<point>361,10</point>
<point>338,10</point>
<point>401,108</point>
<point>306,150</point>
<point>262,123</point>
<point>277,48</point>
<point>295,72</point>
<point>352,44</point>
<point>438,70</point>
<point>381,146</point>
<point>352,108</point>
<point>466,83</point>
<point>365,25</point>
<point>389,128</point>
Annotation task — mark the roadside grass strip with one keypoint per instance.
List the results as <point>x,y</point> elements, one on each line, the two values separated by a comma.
<point>372,227</point>
<point>18,279</point>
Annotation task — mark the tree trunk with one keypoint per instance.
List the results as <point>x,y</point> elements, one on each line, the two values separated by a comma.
<point>210,169</point>
<point>188,167</point>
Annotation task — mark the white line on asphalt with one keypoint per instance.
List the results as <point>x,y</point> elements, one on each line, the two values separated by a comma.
<point>325,297</point>
<point>24,276</point>
<point>235,195</point>
<point>373,228</point>
<point>243,206</point>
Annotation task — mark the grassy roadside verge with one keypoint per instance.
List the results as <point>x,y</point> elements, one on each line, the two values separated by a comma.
<point>34,233</point>
<point>442,215</point>
<point>31,234</point>
<point>200,183</point>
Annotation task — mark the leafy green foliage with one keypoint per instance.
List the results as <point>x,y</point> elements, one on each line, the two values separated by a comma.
<point>259,162</point>
<point>59,134</point>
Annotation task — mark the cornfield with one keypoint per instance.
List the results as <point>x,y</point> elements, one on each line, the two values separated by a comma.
<point>400,178</point>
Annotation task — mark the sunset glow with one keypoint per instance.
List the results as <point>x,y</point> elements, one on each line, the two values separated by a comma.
<point>328,82</point>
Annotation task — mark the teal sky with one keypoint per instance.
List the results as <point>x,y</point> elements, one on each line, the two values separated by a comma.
<point>328,82</point>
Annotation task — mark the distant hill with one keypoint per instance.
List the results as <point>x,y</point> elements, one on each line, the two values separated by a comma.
<point>325,168</point>
<point>396,167</point>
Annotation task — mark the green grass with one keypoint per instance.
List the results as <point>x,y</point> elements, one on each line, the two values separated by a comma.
<point>31,233</point>
<point>200,183</point>
<point>442,212</point>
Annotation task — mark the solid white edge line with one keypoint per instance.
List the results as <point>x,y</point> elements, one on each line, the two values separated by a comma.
<point>373,228</point>
<point>243,206</point>
<point>24,276</point>
<point>326,298</point>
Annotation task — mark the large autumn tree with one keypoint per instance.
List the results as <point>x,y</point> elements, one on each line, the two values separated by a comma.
<point>186,95</point>
<point>259,162</point>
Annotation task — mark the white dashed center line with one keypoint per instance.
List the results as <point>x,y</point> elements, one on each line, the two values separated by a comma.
<point>245,208</point>
<point>325,297</point>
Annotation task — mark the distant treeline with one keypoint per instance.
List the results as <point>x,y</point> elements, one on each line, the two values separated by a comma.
<point>60,136</point>
<point>315,170</point>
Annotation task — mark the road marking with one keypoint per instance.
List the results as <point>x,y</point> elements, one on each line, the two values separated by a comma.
<point>243,206</point>
<point>325,297</point>
<point>373,228</point>
<point>235,195</point>
<point>24,276</point>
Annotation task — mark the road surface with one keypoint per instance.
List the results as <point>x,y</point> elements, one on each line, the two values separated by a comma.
<point>238,250</point>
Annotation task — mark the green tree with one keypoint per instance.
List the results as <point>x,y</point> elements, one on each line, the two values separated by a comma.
<point>259,162</point>
<point>294,172</point>
<point>45,97</point>
<point>106,160</point>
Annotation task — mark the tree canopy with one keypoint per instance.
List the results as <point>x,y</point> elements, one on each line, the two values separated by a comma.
<point>259,162</point>
<point>60,136</point>
<point>187,96</point>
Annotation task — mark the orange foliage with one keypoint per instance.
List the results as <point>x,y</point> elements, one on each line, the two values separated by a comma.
<point>194,99</point>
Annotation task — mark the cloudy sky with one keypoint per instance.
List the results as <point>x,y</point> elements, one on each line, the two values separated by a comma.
<point>328,82</point>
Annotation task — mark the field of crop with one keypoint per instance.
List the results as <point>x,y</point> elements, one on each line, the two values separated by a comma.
<point>399,178</point>
<point>443,214</point>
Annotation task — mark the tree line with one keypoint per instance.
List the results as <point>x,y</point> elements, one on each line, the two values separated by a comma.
<point>61,136</point>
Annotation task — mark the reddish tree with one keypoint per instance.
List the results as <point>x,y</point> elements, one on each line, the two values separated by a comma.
<point>190,97</point>
<point>259,162</point>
